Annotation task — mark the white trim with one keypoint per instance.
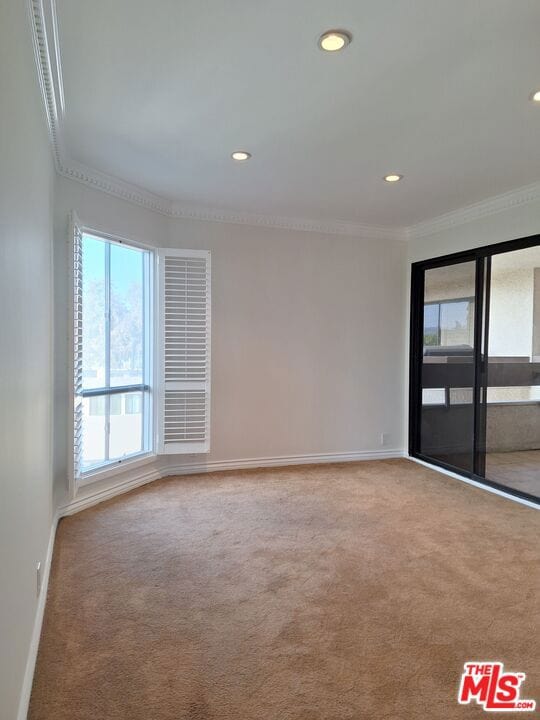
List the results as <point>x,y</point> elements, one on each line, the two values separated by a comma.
<point>329,227</point>
<point>112,186</point>
<point>115,467</point>
<point>476,484</point>
<point>74,226</point>
<point>61,105</point>
<point>95,231</point>
<point>279,461</point>
<point>90,497</point>
<point>28,678</point>
<point>490,206</point>
<point>45,73</point>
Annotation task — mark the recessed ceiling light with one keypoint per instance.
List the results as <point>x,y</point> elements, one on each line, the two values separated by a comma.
<point>334,40</point>
<point>393,177</point>
<point>240,155</point>
<point>535,96</point>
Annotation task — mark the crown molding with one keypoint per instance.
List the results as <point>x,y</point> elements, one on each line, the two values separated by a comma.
<point>139,196</point>
<point>332,227</point>
<point>45,72</point>
<point>491,206</point>
<point>113,186</point>
<point>48,63</point>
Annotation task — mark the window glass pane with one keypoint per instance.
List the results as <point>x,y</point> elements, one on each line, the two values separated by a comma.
<point>115,304</point>
<point>116,404</point>
<point>96,405</point>
<point>431,324</point>
<point>126,428</point>
<point>457,323</point>
<point>93,440</point>
<point>133,403</point>
<point>127,333</point>
<point>447,414</point>
<point>93,315</point>
<point>513,387</point>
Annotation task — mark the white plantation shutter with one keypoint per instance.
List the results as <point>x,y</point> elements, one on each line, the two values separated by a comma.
<point>184,349</point>
<point>76,321</point>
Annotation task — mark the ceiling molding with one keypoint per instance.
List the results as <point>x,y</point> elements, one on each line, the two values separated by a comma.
<point>113,186</point>
<point>333,227</point>
<point>48,61</point>
<point>45,74</point>
<point>491,206</point>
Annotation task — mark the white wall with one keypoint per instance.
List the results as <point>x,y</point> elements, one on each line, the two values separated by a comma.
<point>306,340</point>
<point>25,347</point>
<point>307,336</point>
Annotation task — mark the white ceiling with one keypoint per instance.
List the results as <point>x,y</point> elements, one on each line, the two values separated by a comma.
<point>159,93</point>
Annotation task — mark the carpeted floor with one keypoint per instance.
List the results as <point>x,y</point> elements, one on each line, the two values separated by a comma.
<point>306,593</point>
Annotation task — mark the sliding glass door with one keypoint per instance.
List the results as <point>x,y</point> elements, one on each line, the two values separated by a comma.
<point>447,365</point>
<point>475,364</point>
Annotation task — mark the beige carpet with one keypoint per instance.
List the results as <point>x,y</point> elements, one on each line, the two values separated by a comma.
<point>311,593</point>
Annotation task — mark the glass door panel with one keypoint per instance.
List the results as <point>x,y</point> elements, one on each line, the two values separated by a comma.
<point>447,416</point>
<point>513,377</point>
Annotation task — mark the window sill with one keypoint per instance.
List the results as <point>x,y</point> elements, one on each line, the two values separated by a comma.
<point>115,468</point>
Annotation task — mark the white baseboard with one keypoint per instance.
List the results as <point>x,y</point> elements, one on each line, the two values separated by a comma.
<point>279,461</point>
<point>26,689</point>
<point>88,497</point>
<point>490,489</point>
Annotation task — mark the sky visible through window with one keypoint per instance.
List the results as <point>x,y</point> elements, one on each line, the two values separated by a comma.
<point>113,354</point>
<point>126,307</point>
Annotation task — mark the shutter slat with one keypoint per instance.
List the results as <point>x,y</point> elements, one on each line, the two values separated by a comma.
<point>184,329</point>
<point>77,350</point>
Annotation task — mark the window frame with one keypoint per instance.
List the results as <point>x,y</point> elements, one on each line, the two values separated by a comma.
<point>147,388</point>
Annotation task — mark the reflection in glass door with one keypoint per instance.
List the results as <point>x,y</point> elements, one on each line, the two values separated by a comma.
<point>447,365</point>
<point>513,392</point>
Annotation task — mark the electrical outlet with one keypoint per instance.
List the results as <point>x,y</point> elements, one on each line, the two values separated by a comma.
<point>38,578</point>
<point>384,439</point>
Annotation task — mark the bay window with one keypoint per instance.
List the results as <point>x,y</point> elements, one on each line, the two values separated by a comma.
<point>116,351</point>
<point>141,349</point>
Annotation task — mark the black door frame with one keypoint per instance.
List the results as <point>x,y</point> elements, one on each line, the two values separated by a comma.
<point>482,257</point>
